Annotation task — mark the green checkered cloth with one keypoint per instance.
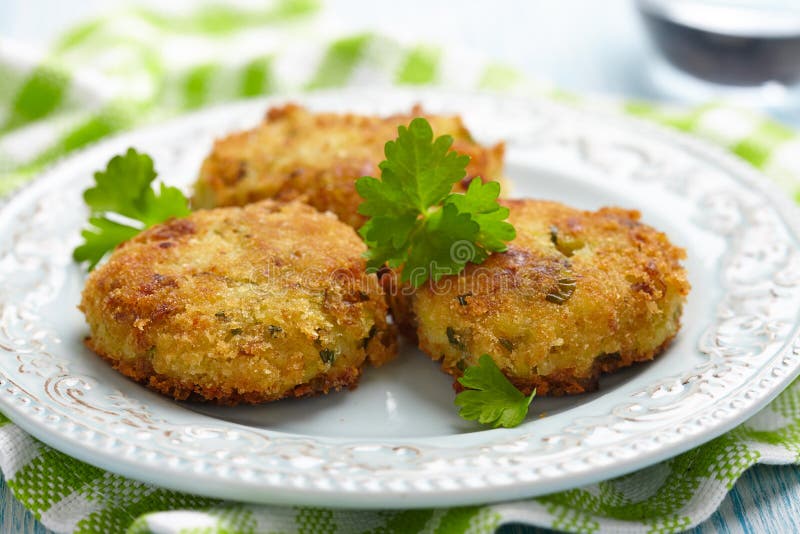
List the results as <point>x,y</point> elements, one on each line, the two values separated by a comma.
<point>140,66</point>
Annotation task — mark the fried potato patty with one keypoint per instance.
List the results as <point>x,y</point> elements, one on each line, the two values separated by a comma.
<point>577,294</point>
<point>317,157</point>
<point>237,305</point>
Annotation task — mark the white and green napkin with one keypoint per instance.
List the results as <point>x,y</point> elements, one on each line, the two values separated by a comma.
<point>141,66</point>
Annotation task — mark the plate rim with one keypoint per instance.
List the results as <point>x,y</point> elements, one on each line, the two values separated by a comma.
<point>224,489</point>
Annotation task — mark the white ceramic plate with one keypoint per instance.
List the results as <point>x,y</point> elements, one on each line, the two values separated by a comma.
<point>397,440</point>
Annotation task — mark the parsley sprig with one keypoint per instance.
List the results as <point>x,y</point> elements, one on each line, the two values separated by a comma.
<point>416,222</point>
<point>122,203</point>
<point>490,398</point>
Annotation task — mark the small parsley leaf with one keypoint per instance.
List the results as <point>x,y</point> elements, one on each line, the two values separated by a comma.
<point>124,192</point>
<point>101,236</point>
<point>490,398</point>
<point>481,201</point>
<point>416,222</point>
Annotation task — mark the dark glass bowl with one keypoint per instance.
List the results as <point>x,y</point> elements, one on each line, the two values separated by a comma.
<point>727,44</point>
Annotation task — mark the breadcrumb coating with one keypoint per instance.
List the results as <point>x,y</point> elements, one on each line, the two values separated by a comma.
<point>317,157</point>
<point>237,305</point>
<point>577,294</point>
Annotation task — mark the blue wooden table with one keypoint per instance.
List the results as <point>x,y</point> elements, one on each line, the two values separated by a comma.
<point>765,499</point>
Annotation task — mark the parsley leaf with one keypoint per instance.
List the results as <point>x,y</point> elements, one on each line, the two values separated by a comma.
<point>123,191</point>
<point>416,222</point>
<point>490,397</point>
<point>481,201</point>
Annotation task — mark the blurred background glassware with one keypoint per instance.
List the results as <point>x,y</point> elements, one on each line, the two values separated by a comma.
<point>746,51</point>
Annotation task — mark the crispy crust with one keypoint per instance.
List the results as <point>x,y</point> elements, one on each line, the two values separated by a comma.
<point>240,305</point>
<point>629,289</point>
<point>564,382</point>
<point>141,370</point>
<point>317,157</point>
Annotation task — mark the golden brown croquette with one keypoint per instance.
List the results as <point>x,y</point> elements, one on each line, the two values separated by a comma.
<point>317,157</point>
<point>238,305</point>
<point>577,294</point>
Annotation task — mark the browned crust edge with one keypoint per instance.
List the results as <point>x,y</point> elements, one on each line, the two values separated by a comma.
<point>564,382</point>
<point>140,370</point>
